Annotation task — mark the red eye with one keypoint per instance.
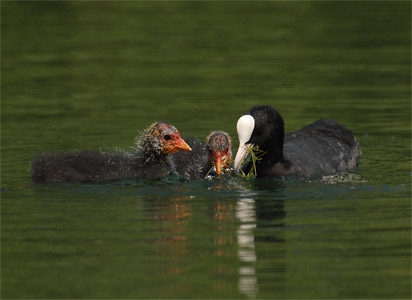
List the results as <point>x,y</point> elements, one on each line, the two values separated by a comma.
<point>259,130</point>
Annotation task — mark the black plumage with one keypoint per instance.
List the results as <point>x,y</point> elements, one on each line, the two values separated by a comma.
<point>194,164</point>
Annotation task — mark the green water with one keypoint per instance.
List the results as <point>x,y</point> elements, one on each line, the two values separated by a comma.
<point>80,75</point>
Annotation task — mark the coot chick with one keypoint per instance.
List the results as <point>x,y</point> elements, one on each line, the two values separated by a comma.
<point>321,148</point>
<point>149,159</point>
<point>211,158</point>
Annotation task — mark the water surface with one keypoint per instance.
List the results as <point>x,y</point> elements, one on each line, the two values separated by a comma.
<point>79,75</point>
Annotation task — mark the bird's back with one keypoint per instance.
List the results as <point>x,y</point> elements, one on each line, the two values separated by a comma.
<point>94,166</point>
<point>194,164</point>
<point>323,147</point>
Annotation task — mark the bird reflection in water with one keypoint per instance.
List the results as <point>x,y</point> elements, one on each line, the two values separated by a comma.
<point>231,248</point>
<point>174,216</point>
<point>242,213</point>
<point>264,214</point>
<point>246,215</point>
<point>223,216</point>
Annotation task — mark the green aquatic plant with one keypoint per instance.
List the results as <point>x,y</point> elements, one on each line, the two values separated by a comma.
<point>255,155</point>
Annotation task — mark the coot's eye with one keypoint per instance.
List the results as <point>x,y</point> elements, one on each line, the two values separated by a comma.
<point>167,137</point>
<point>259,130</point>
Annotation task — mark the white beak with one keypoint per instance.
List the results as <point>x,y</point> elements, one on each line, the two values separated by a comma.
<point>245,126</point>
<point>240,155</point>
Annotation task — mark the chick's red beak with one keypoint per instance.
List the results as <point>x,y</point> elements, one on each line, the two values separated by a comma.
<point>218,161</point>
<point>180,144</point>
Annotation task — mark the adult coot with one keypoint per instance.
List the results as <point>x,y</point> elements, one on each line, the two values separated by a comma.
<point>321,148</point>
<point>150,159</point>
<point>214,156</point>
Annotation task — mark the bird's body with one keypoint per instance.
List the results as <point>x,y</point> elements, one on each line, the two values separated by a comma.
<point>194,164</point>
<point>321,148</point>
<point>95,166</point>
<point>151,159</point>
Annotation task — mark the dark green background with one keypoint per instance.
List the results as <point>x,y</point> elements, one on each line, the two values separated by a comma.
<point>92,74</point>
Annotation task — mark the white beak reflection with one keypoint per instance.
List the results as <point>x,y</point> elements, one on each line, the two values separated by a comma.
<point>246,213</point>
